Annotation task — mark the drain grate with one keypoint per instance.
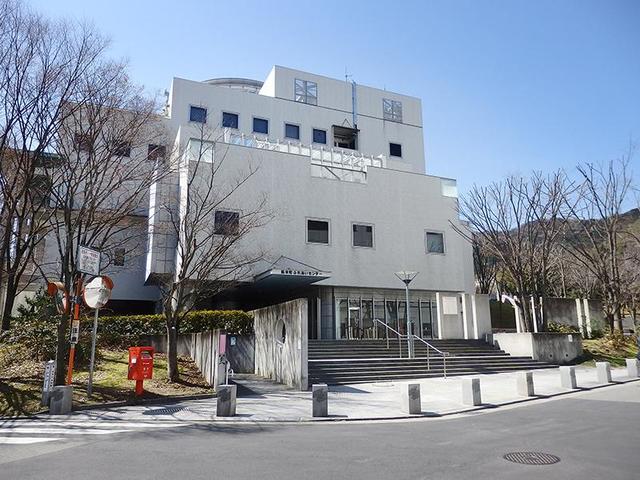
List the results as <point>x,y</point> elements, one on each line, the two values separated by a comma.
<point>532,458</point>
<point>166,411</point>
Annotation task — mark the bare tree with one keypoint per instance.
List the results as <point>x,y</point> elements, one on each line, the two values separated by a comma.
<point>41,64</point>
<point>213,242</point>
<point>485,266</point>
<point>517,223</point>
<point>595,230</point>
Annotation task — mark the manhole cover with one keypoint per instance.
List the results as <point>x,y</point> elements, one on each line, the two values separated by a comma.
<point>165,411</point>
<point>532,458</point>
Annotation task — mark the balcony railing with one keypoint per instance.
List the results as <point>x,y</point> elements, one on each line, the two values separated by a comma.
<point>347,165</point>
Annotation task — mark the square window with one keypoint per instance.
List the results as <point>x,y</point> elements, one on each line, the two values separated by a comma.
<point>226,223</point>
<point>318,231</point>
<point>229,120</point>
<point>395,150</point>
<point>362,235</point>
<point>305,91</point>
<point>260,125</point>
<point>118,257</point>
<point>291,131</point>
<point>122,149</point>
<point>392,110</point>
<point>156,152</point>
<point>83,142</point>
<point>435,242</point>
<point>319,136</point>
<point>198,114</point>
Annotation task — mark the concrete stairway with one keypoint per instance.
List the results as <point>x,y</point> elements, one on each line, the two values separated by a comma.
<point>356,361</point>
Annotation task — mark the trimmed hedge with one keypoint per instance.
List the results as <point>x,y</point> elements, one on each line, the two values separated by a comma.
<point>131,329</point>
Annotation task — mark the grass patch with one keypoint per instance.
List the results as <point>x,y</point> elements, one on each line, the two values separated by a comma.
<point>609,349</point>
<point>21,381</point>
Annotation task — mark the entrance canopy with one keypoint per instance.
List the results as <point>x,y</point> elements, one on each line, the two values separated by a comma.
<point>286,273</point>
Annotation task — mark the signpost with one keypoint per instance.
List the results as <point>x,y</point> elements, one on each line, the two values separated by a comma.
<point>88,261</point>
<point>49,380</point>
<point>96,295</point>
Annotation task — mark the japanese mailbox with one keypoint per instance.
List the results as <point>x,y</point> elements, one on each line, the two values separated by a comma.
<point>140,366</point>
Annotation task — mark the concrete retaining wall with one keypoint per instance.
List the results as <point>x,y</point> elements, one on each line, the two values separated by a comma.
<point>282,359</point>
<point>548,347</point>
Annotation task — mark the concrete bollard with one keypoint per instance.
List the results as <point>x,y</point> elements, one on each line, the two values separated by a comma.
<point>410,398</point>
<point>568,377</point>
<point>633,367</point>
<point>226,402</point>
<point>320,395</point>
<point>525,384</point>
<point>61,400</point>
<point>603,370</point>
<point>471,391</point>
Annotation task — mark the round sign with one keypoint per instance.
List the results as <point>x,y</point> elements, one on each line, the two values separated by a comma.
<point>98,291</point>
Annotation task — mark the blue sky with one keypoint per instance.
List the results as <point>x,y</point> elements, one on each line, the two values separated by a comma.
<point>506,86</point>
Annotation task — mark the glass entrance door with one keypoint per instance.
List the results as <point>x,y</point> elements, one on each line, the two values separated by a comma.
<point>428,319</point>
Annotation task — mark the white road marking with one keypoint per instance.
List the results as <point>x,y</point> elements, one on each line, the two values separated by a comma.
<point>24,440</point>
<point>89,424</point>
<point>60,431</point>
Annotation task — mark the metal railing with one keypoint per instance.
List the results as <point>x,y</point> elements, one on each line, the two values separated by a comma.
<point>414,337</point>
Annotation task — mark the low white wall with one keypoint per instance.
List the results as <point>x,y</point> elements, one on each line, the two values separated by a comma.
<point>284,362</point>
<point>556,348</point>
<point>481,315</point>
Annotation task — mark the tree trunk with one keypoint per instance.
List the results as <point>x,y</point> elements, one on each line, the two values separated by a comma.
<point>172,353</point>
<point>9,301</point>
<point>61,351</point>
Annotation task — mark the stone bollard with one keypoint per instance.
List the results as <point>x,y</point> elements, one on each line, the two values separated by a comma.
<point>60,400</point>
<point>471,391</point>
<point>226,403</point>
<point>320,397</point>
<point>568,377</point>
<point>410,398</point>
<point>604,372</point>
<point>525,384</point>
<point>633,367</point>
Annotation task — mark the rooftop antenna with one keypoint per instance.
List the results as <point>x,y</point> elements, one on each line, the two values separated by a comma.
<point>354,97</point>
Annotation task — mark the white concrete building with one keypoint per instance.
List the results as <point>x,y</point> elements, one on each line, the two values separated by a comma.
<point>343,169</point>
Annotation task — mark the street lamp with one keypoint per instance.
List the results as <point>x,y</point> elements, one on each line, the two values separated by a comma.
<point>406,278</point>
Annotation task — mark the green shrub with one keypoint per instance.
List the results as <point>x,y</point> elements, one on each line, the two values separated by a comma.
<point>554,327</point>
<point>126,330</point>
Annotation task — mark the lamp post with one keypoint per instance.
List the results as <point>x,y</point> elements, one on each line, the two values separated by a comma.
<point>406,278</point>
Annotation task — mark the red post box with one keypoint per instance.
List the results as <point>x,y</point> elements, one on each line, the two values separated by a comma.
<point>140,366</point>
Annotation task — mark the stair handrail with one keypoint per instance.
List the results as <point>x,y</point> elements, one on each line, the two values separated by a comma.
<point>387,328</point>
<point>444,354</point>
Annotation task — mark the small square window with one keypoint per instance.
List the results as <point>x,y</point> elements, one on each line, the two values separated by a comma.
<point>435,242</point>
<point>319,136</point>
<point>83,142</point>
<point>122,149</point>
<point>395,150</point>
<point>392,110</point>
<point>118,257</point>
<point>317,231</point>
<point>156,152</point>
<point>305,91</point>
<point>229,120</point>
<point>362,235</point>
<point>291,131</point>
<point>260,125</point>
<point>198,114</point>
<point>226,223</point>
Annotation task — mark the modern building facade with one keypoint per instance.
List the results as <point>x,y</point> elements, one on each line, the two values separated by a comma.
<point>342,167</point>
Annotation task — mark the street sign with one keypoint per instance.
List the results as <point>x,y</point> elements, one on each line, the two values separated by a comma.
<point>88,261</point>
<point>75,331</point>
<point>49,378</point>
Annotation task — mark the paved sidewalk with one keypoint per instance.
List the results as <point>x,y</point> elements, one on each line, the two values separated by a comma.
<point>355,402</point>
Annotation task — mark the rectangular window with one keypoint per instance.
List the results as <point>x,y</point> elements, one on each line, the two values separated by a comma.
<point>122,149</point>
<point>226,223</point>
<point>362,235</point>
<point>83,142</point>
<point>291,131</point>
<point>319,136</point>
<point>435,242</point>
<point>229,120</point>
<point>198,114</point>
<point>260,125</point>
<point>392,110</point>
<point>395,150</point>
<point>318,231</point>
<point>156,152</point>
<point>306,91</point>
<point>118,257</point>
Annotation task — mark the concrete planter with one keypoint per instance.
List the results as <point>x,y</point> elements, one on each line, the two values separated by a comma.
<point>559,348</point>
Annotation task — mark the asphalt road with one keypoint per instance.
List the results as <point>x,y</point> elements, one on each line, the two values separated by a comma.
<point>595,434</point>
